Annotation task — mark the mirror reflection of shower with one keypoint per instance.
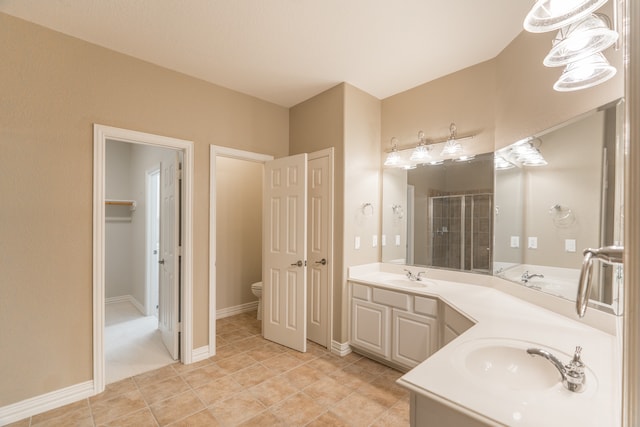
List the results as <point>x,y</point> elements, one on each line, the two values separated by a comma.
<point>460,231</point>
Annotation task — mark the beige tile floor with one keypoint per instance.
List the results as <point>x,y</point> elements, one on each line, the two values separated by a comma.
<point>250,382</point>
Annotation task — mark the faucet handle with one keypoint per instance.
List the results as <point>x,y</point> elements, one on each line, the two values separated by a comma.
<point>575,372</point>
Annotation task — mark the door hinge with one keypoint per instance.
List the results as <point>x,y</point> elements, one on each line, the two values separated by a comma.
<point>179,250</point>
<point>179,326</point>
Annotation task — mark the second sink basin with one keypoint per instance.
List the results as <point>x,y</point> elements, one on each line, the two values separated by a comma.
<point>505,364</point>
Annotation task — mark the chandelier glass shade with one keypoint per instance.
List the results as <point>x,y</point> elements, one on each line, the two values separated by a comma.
<point>549,15</point>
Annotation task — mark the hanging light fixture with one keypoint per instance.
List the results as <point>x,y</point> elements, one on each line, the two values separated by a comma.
<point>581,39</point>
<point>393,158</point>
<point>585,73</point>
<point>549,15</point>
<point>527,154</point>
<point>452,146</point>
<point>421,153</point>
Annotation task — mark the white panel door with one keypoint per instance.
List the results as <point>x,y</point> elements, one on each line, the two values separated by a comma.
<point>168,312</point>
<point>319,193</point>
<point>284,276</point>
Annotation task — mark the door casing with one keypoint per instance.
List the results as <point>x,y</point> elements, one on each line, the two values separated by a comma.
<point>101,134</point>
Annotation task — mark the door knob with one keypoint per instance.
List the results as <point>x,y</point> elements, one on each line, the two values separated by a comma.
<point>160,261</point>
<point>323,261</point>
<point>297,264</point>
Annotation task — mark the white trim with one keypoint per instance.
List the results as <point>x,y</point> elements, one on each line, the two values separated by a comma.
<point>215,151</point>
<point>127,298</point>
<point>238,309</point>
<point>45,402</point>
<point>200,353</point>
<point>100,135</point>
<point>341,349</point>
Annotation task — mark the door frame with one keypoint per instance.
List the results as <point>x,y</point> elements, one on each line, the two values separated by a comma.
<point>101,134</point>
<point>215,151</point>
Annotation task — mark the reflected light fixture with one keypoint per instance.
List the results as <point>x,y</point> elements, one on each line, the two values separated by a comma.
<point>527,154</point>
<point>500,163</point>
<point>580,40</point>
<point>452,146</point>
<point>585,73</point>
<point>393,158</point>
<point>421,153</point>
<point>549,15</point>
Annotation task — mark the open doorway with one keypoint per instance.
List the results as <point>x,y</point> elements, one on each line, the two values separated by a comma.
<point>138,332</point>
<point>137,177</point>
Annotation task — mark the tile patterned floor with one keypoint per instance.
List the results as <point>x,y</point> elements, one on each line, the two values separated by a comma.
<point>250,382</point>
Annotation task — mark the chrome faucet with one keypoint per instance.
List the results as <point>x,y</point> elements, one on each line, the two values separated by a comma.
<point>573,377</point>
<point>415,277</point>
<point>526,276</point>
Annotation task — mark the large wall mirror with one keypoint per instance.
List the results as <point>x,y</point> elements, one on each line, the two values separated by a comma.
<point>524,213</point>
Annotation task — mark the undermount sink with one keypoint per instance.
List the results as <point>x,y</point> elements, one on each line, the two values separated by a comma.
<point>407,283</point>
<point>505,364</point>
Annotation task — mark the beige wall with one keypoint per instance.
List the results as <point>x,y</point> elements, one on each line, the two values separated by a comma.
<point>362,184</point>
<point>238,230</point>
<point>54,88</point>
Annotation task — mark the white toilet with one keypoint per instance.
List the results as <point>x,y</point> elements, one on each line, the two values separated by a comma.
<point>256,288</point>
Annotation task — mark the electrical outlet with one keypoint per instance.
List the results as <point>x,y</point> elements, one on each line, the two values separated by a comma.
<point>384,240</point>
<point>570,245</point>
<point>515,241</point>
<point>356,243</point>
<point>397,240</point>
<point>533,243</point>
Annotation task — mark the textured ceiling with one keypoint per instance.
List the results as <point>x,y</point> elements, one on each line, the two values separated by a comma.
<point>286,51</point>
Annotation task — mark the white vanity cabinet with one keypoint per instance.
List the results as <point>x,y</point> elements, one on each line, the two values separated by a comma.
<point>392,325</point>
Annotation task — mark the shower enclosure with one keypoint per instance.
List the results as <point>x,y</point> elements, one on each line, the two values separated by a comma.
<point>460,231</point>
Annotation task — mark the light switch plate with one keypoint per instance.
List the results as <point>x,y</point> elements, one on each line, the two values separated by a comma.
<point>374,241</point>
<point>515,241</point>
<point>570,245</point>
<point>384,240</point>
<point>533,243</point>
<point>397,240</point>
<point>356,243</point>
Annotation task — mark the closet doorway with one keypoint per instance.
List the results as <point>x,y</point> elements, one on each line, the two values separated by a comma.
<point>142,253</point>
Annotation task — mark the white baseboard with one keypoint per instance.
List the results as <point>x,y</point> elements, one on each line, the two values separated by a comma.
<point>200,353</point>
<point>127,298</point>
<point>238,309</point>
<point>45,402</point>
<point>341,349</point>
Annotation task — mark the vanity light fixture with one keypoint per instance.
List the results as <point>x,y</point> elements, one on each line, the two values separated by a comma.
<point>393,158</point>
<point>452,146</point>
<point>549,15</point>
<point>527,154</point>
<point>500,163</point>
<point>465,158</point>
<point>421,153</point>
<point>580,40</point>
<point>585,73</point>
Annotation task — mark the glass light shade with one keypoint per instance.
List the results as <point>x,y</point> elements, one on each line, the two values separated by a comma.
<point>501,164</point>
<point>451,148</point>
<point>585,73</point>
<point>549,15</point>
<point>420,154</point>
<point>579,40</point>
<point>393,159</point>
<point>435,162</point>
<point>465,158</point>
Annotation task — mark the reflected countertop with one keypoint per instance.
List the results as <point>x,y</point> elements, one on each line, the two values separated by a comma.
<point>501,316</point>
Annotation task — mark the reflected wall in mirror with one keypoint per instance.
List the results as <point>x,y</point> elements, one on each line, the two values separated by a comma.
<point>440,215</point>
<point>546,215</point>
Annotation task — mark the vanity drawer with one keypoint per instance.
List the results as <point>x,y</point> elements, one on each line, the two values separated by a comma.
<point>428,306</point>
<point>361,292</point>
<point>391,298</point>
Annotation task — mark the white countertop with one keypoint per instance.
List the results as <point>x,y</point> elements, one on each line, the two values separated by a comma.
<point>504,317</point>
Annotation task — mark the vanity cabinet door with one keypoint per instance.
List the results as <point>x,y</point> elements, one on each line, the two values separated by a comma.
<point>414,337</point>
<point>370,327</point>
